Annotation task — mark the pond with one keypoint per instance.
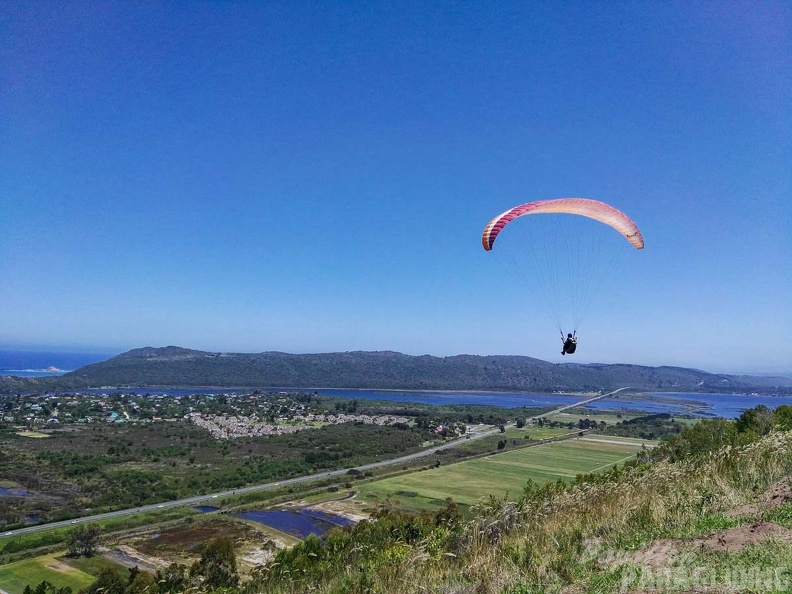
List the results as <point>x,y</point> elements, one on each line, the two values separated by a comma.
<point>299,524</point>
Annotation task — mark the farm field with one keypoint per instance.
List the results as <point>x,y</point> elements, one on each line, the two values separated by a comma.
<point>53,568</point>
<point>498,474</point>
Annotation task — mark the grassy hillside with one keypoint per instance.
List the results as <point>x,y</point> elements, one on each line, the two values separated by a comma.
<point>638,530</point>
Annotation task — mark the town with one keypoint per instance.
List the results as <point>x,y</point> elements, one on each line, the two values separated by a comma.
<point>225,415</point>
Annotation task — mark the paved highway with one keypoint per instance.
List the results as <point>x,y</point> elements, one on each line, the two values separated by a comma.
<point>210,499</point>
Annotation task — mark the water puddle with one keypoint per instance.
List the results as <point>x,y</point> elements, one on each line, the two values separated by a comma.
<point>300,524</point>
<point>14,492</point>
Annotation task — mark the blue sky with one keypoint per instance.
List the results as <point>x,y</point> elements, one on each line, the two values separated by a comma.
<point>313,177</point>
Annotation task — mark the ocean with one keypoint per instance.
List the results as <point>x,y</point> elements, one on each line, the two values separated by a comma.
<point>45,363</point>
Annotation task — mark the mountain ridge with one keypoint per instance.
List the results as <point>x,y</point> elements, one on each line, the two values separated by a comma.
<point>178,366</point>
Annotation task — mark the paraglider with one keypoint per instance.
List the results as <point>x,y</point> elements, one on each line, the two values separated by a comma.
<point>564,260</point>
<point>593,209</point>
<point>570,344</point>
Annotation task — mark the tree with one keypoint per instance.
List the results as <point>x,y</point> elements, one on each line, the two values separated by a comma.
<point>217,566</point>
<point>141,582</point>
<point>703,437</point>
<point>502,428</point>
<point>109,581</point>
<point>83,540</point>
<point>448,515</point>
<point>783,417</point>
<point>520,423</point>
<point>46,588</point>
<point>758,419</point>
<point>172,579</point>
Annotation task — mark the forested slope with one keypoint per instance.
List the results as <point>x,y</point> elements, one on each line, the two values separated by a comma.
<point>175,366</point>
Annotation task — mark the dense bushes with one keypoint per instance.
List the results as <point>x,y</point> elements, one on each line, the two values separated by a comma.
<point>712,434</point>
<point>93,468</point>
<point>657,426</point>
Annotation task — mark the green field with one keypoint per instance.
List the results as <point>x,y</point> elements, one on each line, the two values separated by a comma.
<point>52,568</point>
<point>497,474</point>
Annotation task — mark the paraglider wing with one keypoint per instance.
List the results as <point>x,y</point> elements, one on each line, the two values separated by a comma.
<point>593,209</point>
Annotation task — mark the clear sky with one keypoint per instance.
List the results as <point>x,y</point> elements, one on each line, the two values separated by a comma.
<point>315,177</point>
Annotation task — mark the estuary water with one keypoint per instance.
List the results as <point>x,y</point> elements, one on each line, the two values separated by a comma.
<point>705,405</point>
<point>727,406</point>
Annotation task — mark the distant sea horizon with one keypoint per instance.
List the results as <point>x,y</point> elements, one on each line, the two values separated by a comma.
<point>46,362</point>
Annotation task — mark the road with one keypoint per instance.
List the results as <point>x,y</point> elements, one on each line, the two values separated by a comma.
<point>581,403</point>
<point>211,499</point>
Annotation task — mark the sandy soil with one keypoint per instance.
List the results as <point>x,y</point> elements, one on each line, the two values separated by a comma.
<point>348,507</point>
<point>777,495</point>
<point>130,557</point>
<point>668,552</point>
<point>736,539</point>
<point>253,556</point>
<point>59,566</point>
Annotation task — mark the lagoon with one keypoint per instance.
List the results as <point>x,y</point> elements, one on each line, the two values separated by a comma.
<point>728,406</point>
<point>299,524</point>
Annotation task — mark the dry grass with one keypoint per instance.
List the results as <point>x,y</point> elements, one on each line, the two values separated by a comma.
<point>547,544</point>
